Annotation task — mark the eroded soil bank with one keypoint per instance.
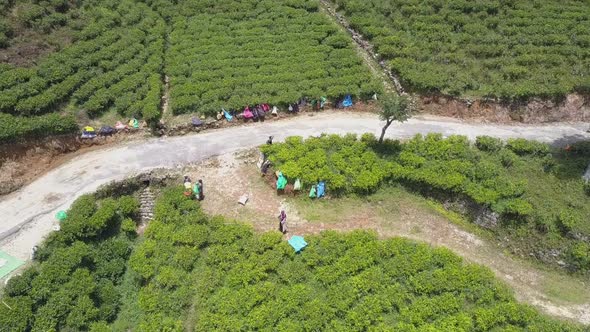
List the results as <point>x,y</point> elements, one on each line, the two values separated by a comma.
<point>574,107</point>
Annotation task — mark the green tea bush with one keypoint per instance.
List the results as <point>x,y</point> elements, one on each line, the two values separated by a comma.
<point>523,147</point>
<point>118,54</point>
<point>345,163</point>
<point>514,186</point>
<point>488,143</point>
<point>13,128</point>
<point>219,59</point>
<point>580,255</point>
<point>507,157</point>
<point>214,274</point>
<point>498,49</point>
<point>241,280</point>
<point>73,281</point>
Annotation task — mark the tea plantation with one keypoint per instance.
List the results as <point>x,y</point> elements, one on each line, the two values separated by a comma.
<point>219,54</point>
<point>231,54</point>
<point>197,273</point>
<point>504,49</point>
<point>533,196</point>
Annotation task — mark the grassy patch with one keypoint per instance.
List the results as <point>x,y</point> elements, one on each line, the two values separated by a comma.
<point>327,210</point>
<point>130,313</point>
<point>566,288</point>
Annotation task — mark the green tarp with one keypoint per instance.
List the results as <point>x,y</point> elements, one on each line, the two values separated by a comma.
<point>8,264</point>
<point>312,193</point>
<point>61,215</point>
<point>281,182</point>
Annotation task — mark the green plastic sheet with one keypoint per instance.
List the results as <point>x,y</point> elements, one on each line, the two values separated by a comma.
<point>61,215</point>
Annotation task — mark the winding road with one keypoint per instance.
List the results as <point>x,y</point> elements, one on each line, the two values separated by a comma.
<point>28,214</point>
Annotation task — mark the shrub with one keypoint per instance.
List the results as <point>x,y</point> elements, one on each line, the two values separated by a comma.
<point>72,283</point>
<point>488,143</point>
<point>13,128</point>
<point>326,64</point>
<point>344,163</point>
<point>569,220</point>
<point>549,163</point>
<point>496,61</point>
<point>579,255</point>
<point>128,226</point>
<point>514,207</point>
<point>507,157</point>
<point>523,147</point>
<point>581,148</point>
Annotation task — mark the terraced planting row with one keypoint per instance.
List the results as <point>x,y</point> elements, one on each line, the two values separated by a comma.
<point>231,54</point>
<point>116,61</point>
<point>221,54</point>
<point>502,49</point>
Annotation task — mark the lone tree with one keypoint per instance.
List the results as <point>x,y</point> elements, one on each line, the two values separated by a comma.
<point>394,108</point>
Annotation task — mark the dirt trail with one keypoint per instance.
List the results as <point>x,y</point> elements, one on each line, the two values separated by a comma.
<point>166,96</point>
<point>364,49</point>
<point>229,176</point>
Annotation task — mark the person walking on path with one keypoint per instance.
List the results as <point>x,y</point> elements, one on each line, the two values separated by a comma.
<point>283,222</point>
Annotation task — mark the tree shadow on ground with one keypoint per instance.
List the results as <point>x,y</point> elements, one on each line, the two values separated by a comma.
<point>571,160</point>
<point>389,149</point>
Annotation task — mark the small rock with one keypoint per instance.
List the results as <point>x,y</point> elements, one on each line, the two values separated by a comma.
<point>243,199</point>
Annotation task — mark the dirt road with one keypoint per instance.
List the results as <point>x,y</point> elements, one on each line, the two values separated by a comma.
<point>28,214</point>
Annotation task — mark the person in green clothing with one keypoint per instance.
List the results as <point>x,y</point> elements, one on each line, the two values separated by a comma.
<point>312,192</point>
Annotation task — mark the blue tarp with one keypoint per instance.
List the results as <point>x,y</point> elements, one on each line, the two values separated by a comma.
<point>347,101</point>
<point>297,242</point>
<point>228,116</point>
<point>321,190</point>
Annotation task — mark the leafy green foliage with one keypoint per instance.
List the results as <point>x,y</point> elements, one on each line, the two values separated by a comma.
<point>73,282</point>
<point>17,127</point>
<point>394,108</point>
<point>213,274</point>
<point>345,163</point>
<point>488,143</point>
<point>522,146</point>
<point>234,53</point>
<point>503,49</point>
<point>116,61</point>
<point>540,208</point>
<point>350,282</point>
